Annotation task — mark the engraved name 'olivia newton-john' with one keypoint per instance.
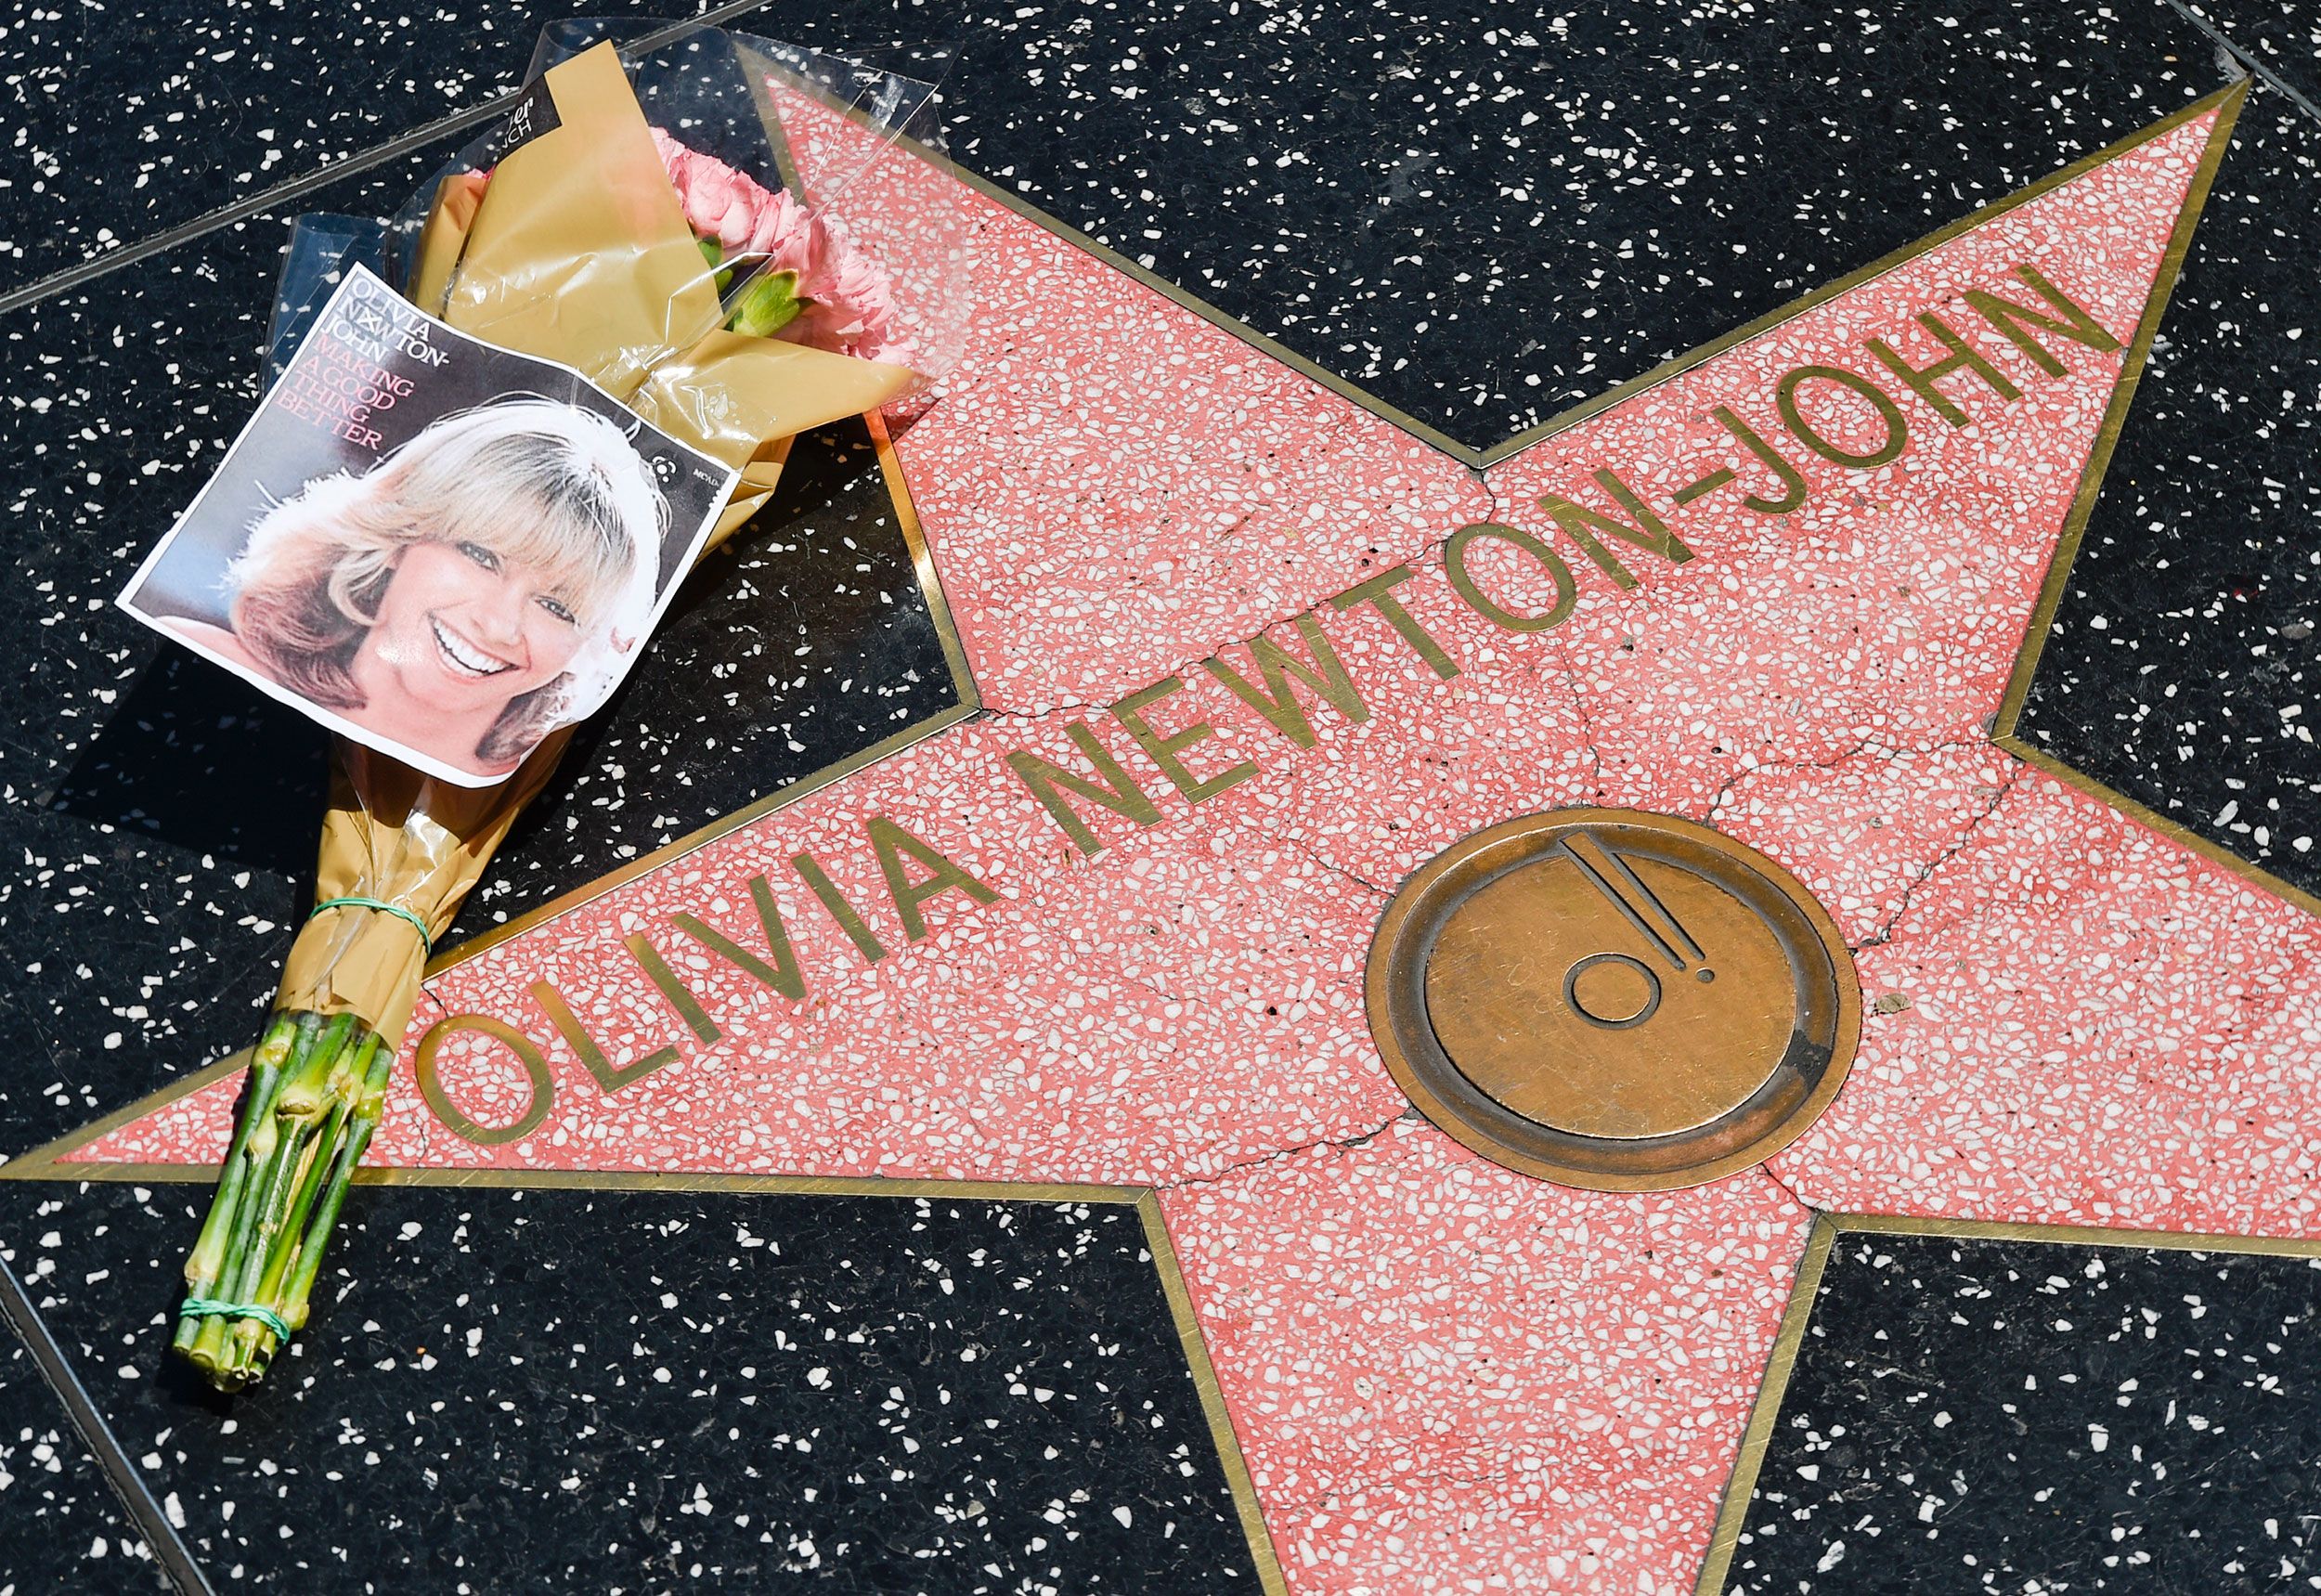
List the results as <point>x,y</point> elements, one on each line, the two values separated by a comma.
<point>2012,334</point>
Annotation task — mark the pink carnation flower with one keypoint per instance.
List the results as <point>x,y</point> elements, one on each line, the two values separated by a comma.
<point>849,304</point>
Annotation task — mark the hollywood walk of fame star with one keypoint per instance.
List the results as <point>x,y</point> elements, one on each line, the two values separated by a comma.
<point>1444,1373</point>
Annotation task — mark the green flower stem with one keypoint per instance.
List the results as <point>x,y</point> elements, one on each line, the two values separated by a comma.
<point>207,1261</point>
<point>345,1091</point>
<point>266,1199</point>
<point>298,1287</point>
<point>305,1125</point>
<point>253,1339</point>
<point>297,1113</point>
<point>262,1136</point>
<point>302,1092</point>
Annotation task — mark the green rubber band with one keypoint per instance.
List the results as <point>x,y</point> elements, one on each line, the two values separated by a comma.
<point>205,1308</point>
<point>426,942</point>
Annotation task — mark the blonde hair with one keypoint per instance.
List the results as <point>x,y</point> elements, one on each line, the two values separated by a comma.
<point>534,481</point>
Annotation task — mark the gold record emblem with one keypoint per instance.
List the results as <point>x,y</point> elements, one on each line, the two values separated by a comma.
<point>1613,999</point>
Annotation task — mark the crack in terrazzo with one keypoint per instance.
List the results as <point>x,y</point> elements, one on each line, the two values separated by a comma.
<point>1028,716</point>
<point>1884,932</point>
<point>1726,788</point>
<point>1789,1189</point>
<point>1340,1144</point>
<point>1867,745</point>
<point>1310,853</point>
<point>1058,925</point>
<point>423,1157</point>
<point>1585,710</point>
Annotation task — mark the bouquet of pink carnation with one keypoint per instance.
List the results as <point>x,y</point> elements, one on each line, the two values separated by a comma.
<point>720,308</point>
<point>806,283</point>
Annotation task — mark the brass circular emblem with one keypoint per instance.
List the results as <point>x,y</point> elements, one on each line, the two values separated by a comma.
<point>1613,999</point>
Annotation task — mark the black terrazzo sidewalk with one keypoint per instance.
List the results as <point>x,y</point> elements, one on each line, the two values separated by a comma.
<point>1479,219</point>
<point>2016,1415</point>
<point>623,1391</point>
<point>134,118</point>
<point>61,1527</point>
<point>113,751</point>
<point>2182,668</point>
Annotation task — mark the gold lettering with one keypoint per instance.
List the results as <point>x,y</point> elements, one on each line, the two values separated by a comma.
<point>2010,321</point>
<point>1277,700</point>
<point>1378,594</point>
<point>1963,357</point>
<point>681,996</point>
<point>1702,486</point>
<point>783,974</point>
<point>911,897</point>
<point>610,1076</point>
<point>1896,430</point>
<point>1164,750</point>
<point>527,1051</point>
<point>810,871</point>
<point>1117,792</point>
<point>1793,488</point>
<point>1581,524</point>
<point>1455,562</point>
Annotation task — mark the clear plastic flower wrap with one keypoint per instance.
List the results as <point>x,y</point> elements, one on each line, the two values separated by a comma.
<point>729,236</point>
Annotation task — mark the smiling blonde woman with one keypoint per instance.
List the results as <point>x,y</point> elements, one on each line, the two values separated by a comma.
<point>469,592</point>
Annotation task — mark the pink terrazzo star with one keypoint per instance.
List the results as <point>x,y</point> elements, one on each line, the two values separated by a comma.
<point>1446,1376</point>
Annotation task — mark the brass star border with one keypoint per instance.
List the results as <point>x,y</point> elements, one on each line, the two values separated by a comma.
<point>2005,728</point>
<point>2227,102</point>
<point>48,1163</point>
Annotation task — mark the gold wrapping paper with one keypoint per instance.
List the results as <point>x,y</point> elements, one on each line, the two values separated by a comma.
<point>442,239</point>
<point>759,478</point>
<point>579,252</point>
<point>394,834</point>
<point>727,393</point>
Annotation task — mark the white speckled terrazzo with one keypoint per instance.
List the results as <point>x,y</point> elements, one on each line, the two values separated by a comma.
<point>1446,1376</point>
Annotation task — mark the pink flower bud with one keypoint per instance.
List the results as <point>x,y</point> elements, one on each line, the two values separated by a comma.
<point>849,297</point>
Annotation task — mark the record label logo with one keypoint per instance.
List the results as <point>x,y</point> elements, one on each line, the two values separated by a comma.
<point>1613,999</point>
